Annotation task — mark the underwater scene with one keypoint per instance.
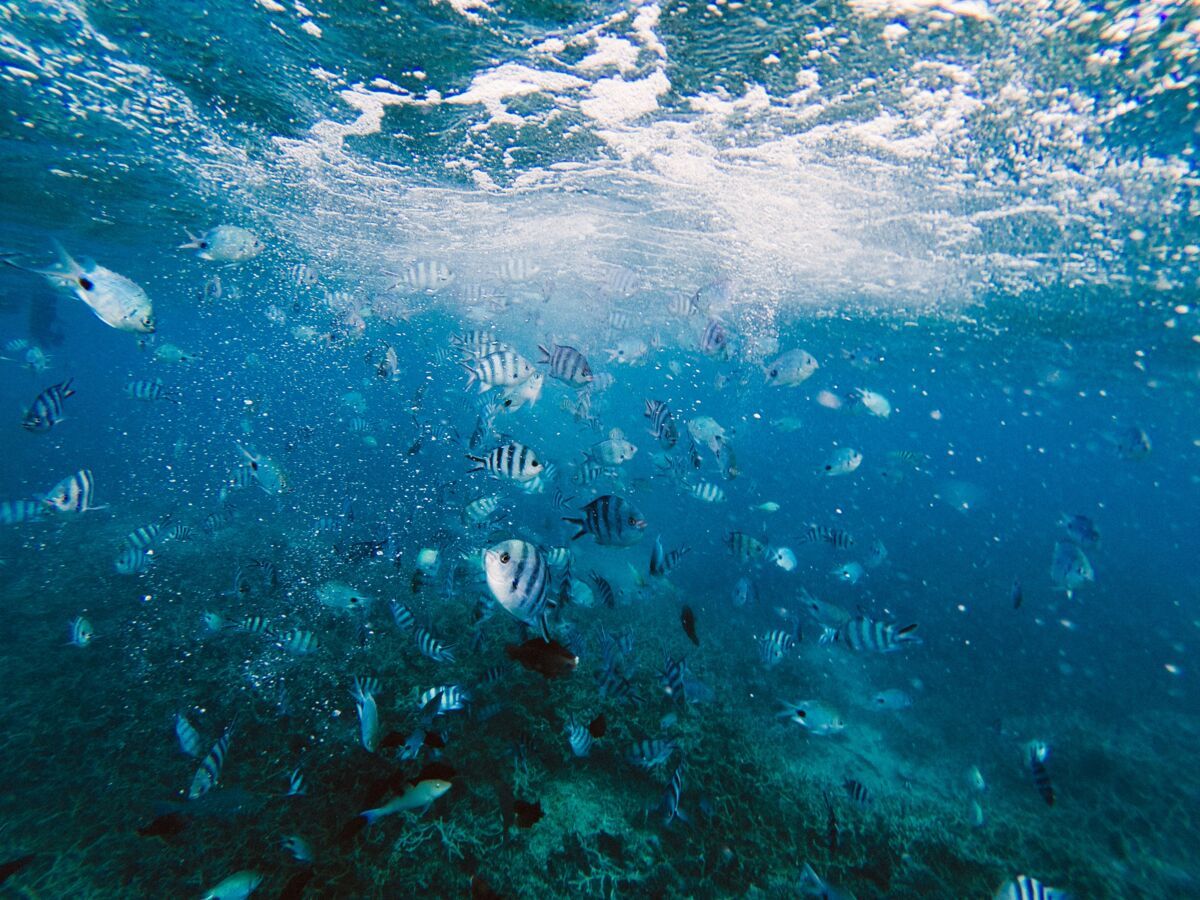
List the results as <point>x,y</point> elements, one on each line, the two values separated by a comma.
<point>485,448</point>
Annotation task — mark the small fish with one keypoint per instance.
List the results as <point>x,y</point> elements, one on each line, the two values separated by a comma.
<point>74,494</point>
<point>662,424</point>
<point>431,647</point>
<point>298,847</point>
<point>857,792</point>
<point>209,773</point>
<point>237,886</point>
<point>867,635</point>
<point>256,625</point>
<point>169,353</point>
<point>650,754</point>
<point>1081,530</point>
<point>670,802</point>
<point>688,619</point>
<point>225,243</point>
<point>303,275</point>
<point>614,451</point>
<point>579,739</point>
<point>425,275</point>
<point>1016,594</point>
<point>341,596</point>
<point>47,409</point>
<point>782,557</point>
<point>419,797</point>
<point>673,678</point>
<point>450,698</point>
<point>604,590</point>
<point>1070,569</point>
<point>368,713</point>
<point>402,616</point>
<point>1132,443</point>
<point>1041,778</point>
<point>548,658</point>
<point>268,475</point>
<point>611,520</point>
<point>663,562</point>
<point>1025,888</point>
<point>189,737</point>
<point>744,547</point>
<point>774,645</point>
<point>298,642</point>
<point>975,779</point>
<point>877,554</point>
<point>892,698</point>
<point>504,368</point>
<point>850,573</point>
<point>745,593</point>
<point>770,506</point>
<point>133,560</point>
<point>528,814</point>
<point>296,784</point>
<point>14,512</point>
<point>790,369</point>
<point>518,578</point>
<point>707,492</point>
<point>869,401</point>
<point>714,340</point>
<point>842,461</point>
<point>81,632</point>
<point>817,717</point>
<point>829,534</point>
<point>566,364</point>
<point>511,461</point>
<point>165,826</point>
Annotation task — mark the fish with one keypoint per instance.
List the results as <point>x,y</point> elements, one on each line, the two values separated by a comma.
<point>769,506</point>
<point>1041,778</point>
<point>864,634</point>
<point>782,557</point>
<point>269,476</point>
<point>714,340</point>
<point>1080,529</point>
<point>1025,888</point>
<point>745,593</point>
<point>303,275</point>
<point>548,658</point>
<point>614,451</point>
<point>419,796</point>
<point>425,275</point>
<point>1016,593</point>
<point>627,351</point>
<point>774,645</point>
<point>296,885</point>
<point>47,409</point>
<point>146,537</point>
<point>670,802</point>
<point>296,784</point>
<point>815,716</point>
<point>165,826</point>
<point>662,423</point>
<point>188,736</point>
<point>860,399</point>
<point>850,573</point>
<point>790,369</point>
<point>402,616</point>
<point>431,646</point>
<point>857,791</point>
<point>744,547</point>
<point>892,698</point>
<point>566,363</point>
<point>81,632</point>
<point>225,243</point>
<point>688,619</point>
<point>828,534</point>
<point>256,625</point>
<point>604,590</point>
<point>14,512</point>
<point>707,492</point>
<point>169,353</point>
<point>842,461</point>
<point>74,494</point>
<point>209,773</point>
<point>237,886</point>
<point>450,698</point>
<point>650,754</point>
<point>528,391</point>
<point>341,596</point>
<point>116,300</point>
<point>663,562</point>
<point>1132,443</point>
<point>518,578</point>
<point>298,847</point>
<point>504,368</point>
<point>363,692</point>
<point>975,779</point>
<point>511,461</point>
<point>579,739</point>
<point>299,642</point>
<point>673,678</point>
<point>1070,569</point>
<point>611,520</point>
<point>877,554</point>
<point>528,814</point>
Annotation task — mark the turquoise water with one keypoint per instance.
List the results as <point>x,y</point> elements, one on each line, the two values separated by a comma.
<point>978,219</point>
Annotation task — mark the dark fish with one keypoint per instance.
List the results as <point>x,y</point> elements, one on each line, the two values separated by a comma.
<point>688,619</point>
<point>294,889</point>
<point>612,520</point>
<point>1041,780</point>
<point>481,890</point>
<point>548,658</point>
<point>1017,593</point>
<point>604,589</point>
<point>166,826</point>
<point>528,814</point>
<point>833,832</point>
<point>9,869</point>
<point>858,791</point>
<point>598,726</point>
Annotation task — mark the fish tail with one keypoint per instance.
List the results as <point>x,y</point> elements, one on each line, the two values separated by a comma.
<point>479,463</point>
<point>371,815</point>
<point>474,376</point>
<point>578,523</point>
<point>546,353</point>
<point>67,390</point>
<point>192,244</point>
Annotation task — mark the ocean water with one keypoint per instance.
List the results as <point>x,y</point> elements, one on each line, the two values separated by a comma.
<point>977,218</point>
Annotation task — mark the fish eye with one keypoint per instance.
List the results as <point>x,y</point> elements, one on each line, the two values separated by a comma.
<point>774,373</point>
<point>86,284</point>
<point>632,520</point>
<point>504,557</point>
<point>828,467</point>
<point>204,245</point>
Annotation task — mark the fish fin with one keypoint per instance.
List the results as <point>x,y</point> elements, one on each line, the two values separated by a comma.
<point>474,377</point>
<point>192,244</point>
<point>480,463</point>
<point>578,523</point>
<point>545,353</point>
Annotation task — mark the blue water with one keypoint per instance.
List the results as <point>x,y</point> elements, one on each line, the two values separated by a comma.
<point>984,214</point>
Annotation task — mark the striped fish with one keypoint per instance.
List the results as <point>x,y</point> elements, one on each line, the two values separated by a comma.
<point>620,281</point>
<point>364,692</point>
<point>662,423</point>
<point>424,275</point>
<point>297,787</point>
<point>518,578</point>
<point>561,500</point>
<point>74,494</point>
<point>481,509</point>
<point>558,557</point>
<point>674,793</point>
<point>81,632</point>
<point>472,342</point>
<point>46,411</point>
<point>857,792</point>
<point>146,537</point>
<point>431,646</point>
<point>179,533</point>
<point>604,590</point>
<point>650,754</point>
<point>684,305</point>
<point>579,738</point>
<point>672,676</point>
<point>402,615</point>
<point>14,512</point>
<point>517,269</point>
<point>256,625</point>
<point>773,645</point>
<point>835,537</point>
<point>591,470</point>
<point>611,520</point>
<point>707,492</point>
<point>303,276</point>
<point>566,364</point>
<point>451,698</point>
<point>714,340</point>
<point>133,560</point>
<point>209,773</point>
<point>16,345</point>
<point>503,368</point>
<point>744,546</point>
<point>300,643</point>
<point>511,461</point>
<point>189,737</point>
<point>745,593</point>
<point>149,390</point>
<point>661,561</point>
<point>620,320</point>
<point>1025,888</point>
<point>865,634</point>
<point>217,520</point>
<point>1041,780</point>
